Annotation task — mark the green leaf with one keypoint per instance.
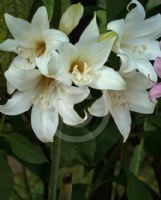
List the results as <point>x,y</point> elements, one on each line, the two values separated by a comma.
<point>5,178</point>
<point>106,140</point>
<point>136,158</point>
<point>152,144</point>
<point>65,5</point>
<point>79,192</point>
<point>136,189</point>
<point>78,152</point>
<point>115,8</point>
<point>24,149</point>
<point>152,4</point>
<point>49,4</point>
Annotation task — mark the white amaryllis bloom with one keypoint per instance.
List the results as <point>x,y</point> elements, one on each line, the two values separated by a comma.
<point>84,62</point>
<point>137,39</point>
<point>33,41</point>
<point>47,95</point>
<point>120,103</point>
<point>71,18</point>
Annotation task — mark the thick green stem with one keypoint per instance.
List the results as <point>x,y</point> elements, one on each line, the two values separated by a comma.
<point>54,171</point>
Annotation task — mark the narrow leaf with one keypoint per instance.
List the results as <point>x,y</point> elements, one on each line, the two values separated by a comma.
<point>24,149</point>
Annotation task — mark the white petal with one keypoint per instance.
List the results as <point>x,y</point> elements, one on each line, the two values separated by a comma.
<point>19,103</point>
<point>96,54</point>
<point>152,51</point>
<point>40,19</point>
<point>147,69</point>
<point>52,35</point>
<point>136,14</point>
<point>23,79</point>
<point>117,26</point>
<point>57,70</point>
<point>127,63</point>
<point>68,114</point>
<point>68,53</point>
<point>137,81</point>
<point>9,45</point>
<point>122,119</point>
<point>22,63</point>
<point>10,88</point>
<point>42,64</point>
<point>100,107</point>
<point>74,95</point>
<point>90,33</point>
<point>71,18</point>
<point>139,102</point>
<point>107,78</point>
<point>44,123</point>
<point>148,29</point>
<point>19,29</point>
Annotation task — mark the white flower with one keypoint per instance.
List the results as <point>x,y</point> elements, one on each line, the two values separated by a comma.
<point>84,62</point>
<point>137,40</point>
<point>33,41</point>
<point>47,95</point>
<point>120,103</point>
<point>71,18</point>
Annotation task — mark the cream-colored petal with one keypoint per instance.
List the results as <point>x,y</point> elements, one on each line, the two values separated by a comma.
<point>71,18</point>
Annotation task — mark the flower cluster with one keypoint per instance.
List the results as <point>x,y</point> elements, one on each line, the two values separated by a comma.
<point>51,75</point>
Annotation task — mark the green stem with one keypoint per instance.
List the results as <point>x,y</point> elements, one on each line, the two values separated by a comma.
<point>54,171</point>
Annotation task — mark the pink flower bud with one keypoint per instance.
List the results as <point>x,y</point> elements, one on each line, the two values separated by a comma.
<point>155,92</point>
<point>157,66</point>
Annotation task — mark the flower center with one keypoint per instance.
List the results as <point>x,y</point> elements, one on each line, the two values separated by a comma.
<point>81,73</point>
<point>118,98</point>
<point>43,98</point>
<point>41,48</point>
<point>139,49</point>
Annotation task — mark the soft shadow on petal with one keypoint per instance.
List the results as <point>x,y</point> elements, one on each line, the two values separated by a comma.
<point>108,78</point>
<point>19,103</point>
<point>139,102</point>
<point>122,119</point>
<point>23,79</point>
<point>44,122</point>
<point>100,107</point>
<point>68,114</point>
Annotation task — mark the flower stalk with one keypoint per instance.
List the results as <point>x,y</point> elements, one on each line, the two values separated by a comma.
<point>54,171</point>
